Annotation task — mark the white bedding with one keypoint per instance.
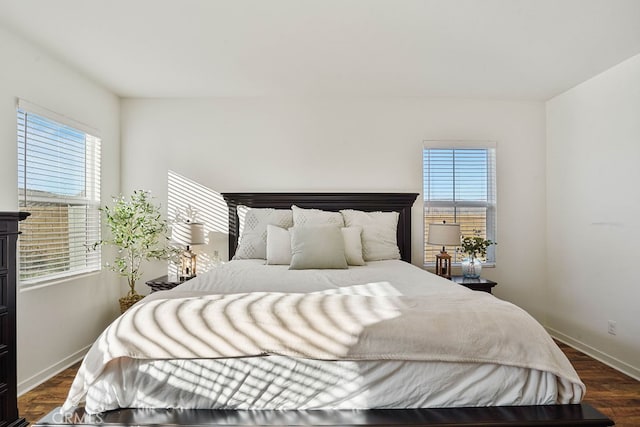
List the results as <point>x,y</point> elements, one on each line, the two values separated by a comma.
<point>283,382</point>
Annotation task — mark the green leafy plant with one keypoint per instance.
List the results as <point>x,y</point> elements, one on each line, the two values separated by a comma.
<point>139,233</point>
<point>475,246</point>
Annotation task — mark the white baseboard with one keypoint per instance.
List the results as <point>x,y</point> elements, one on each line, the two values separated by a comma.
<point>45,374</point>
<point>600,356</point>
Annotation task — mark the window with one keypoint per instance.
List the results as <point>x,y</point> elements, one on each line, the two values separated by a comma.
<point>59,184</point>
<point>460,187</point>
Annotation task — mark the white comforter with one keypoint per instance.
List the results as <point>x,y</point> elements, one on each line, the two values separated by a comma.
<point>384,335</point>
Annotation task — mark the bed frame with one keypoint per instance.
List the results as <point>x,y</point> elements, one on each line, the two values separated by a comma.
<point>369,202</point>
<point>512,416</point>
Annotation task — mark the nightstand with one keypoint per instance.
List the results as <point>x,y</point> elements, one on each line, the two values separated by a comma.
<point>476,284</point>
<point>162,283</point>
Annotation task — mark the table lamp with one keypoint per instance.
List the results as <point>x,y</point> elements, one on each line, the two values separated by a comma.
<point>443,234</point>
<point>188,234</point>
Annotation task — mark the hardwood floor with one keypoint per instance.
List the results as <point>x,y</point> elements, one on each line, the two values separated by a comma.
<point>611,392</point>
<point>38,402</point>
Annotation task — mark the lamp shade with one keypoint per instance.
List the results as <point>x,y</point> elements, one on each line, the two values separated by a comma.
<point>444,234</point>
<point>188,233</point>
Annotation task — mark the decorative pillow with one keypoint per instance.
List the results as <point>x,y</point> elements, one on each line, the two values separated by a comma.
<point>253,229</point>
<point>320,246</point>
<point>278,245</point>
<point>379,233</point>
<point>353,245</point>
<point>305,217</point>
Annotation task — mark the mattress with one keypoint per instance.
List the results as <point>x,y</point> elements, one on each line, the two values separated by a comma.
<point>276,381</point>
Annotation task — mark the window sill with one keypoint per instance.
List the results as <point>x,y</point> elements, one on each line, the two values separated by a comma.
<point>26,287</point>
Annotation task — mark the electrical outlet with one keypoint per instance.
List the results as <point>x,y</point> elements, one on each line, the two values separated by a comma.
<point>612,327</point>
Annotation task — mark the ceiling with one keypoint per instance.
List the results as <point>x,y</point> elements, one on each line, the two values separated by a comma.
<point>505,49</point>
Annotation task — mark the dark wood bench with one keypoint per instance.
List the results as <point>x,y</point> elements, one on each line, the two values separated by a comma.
<point>503,416</point>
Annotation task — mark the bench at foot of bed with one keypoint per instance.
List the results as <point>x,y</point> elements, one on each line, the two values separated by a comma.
<point>512,416</point>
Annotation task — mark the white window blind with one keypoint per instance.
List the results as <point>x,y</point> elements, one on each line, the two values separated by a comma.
<point>59,184</point>
<point>460,187</point>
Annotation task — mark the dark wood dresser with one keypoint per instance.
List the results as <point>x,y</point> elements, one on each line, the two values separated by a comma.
<point>8,380</point>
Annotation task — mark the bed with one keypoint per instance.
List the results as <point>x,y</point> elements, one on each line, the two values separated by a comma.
<point>362,345</point>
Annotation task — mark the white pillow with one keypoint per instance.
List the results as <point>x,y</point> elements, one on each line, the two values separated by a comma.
<point>353,245</point>
<point>379,233</point>
<point>278,245</point>
<point>306,217</point>
<point>252,243</point>
<point>317,247</point>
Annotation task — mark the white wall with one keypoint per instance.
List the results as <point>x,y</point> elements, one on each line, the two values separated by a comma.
<point>344,144</point>
<point>593,199</point>
<point>56,323</point>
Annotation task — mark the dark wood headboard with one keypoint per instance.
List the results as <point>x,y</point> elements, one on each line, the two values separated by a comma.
<point>368,202</point>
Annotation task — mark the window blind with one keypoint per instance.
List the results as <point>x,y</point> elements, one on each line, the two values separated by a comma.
<point>59,184</point>
<point>460,187</point>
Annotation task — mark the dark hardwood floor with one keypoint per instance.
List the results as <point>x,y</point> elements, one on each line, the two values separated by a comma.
<point>611,392</point>
<point>38,402</point>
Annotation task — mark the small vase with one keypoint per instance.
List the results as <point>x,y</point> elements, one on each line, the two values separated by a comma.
<point>471,268</point>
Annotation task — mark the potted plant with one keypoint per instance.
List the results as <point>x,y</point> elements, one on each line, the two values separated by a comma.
<point>138,231</point>
<point>475,247</point>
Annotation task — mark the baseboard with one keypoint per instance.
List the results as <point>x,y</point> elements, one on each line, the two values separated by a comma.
<point>600,356</point>
<point>45,374</point>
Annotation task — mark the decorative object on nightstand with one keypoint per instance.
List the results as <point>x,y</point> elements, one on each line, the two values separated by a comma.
<point>188,234</point>
<point>444,235</point>
<point>478,284</point>
<point>475,247</point>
